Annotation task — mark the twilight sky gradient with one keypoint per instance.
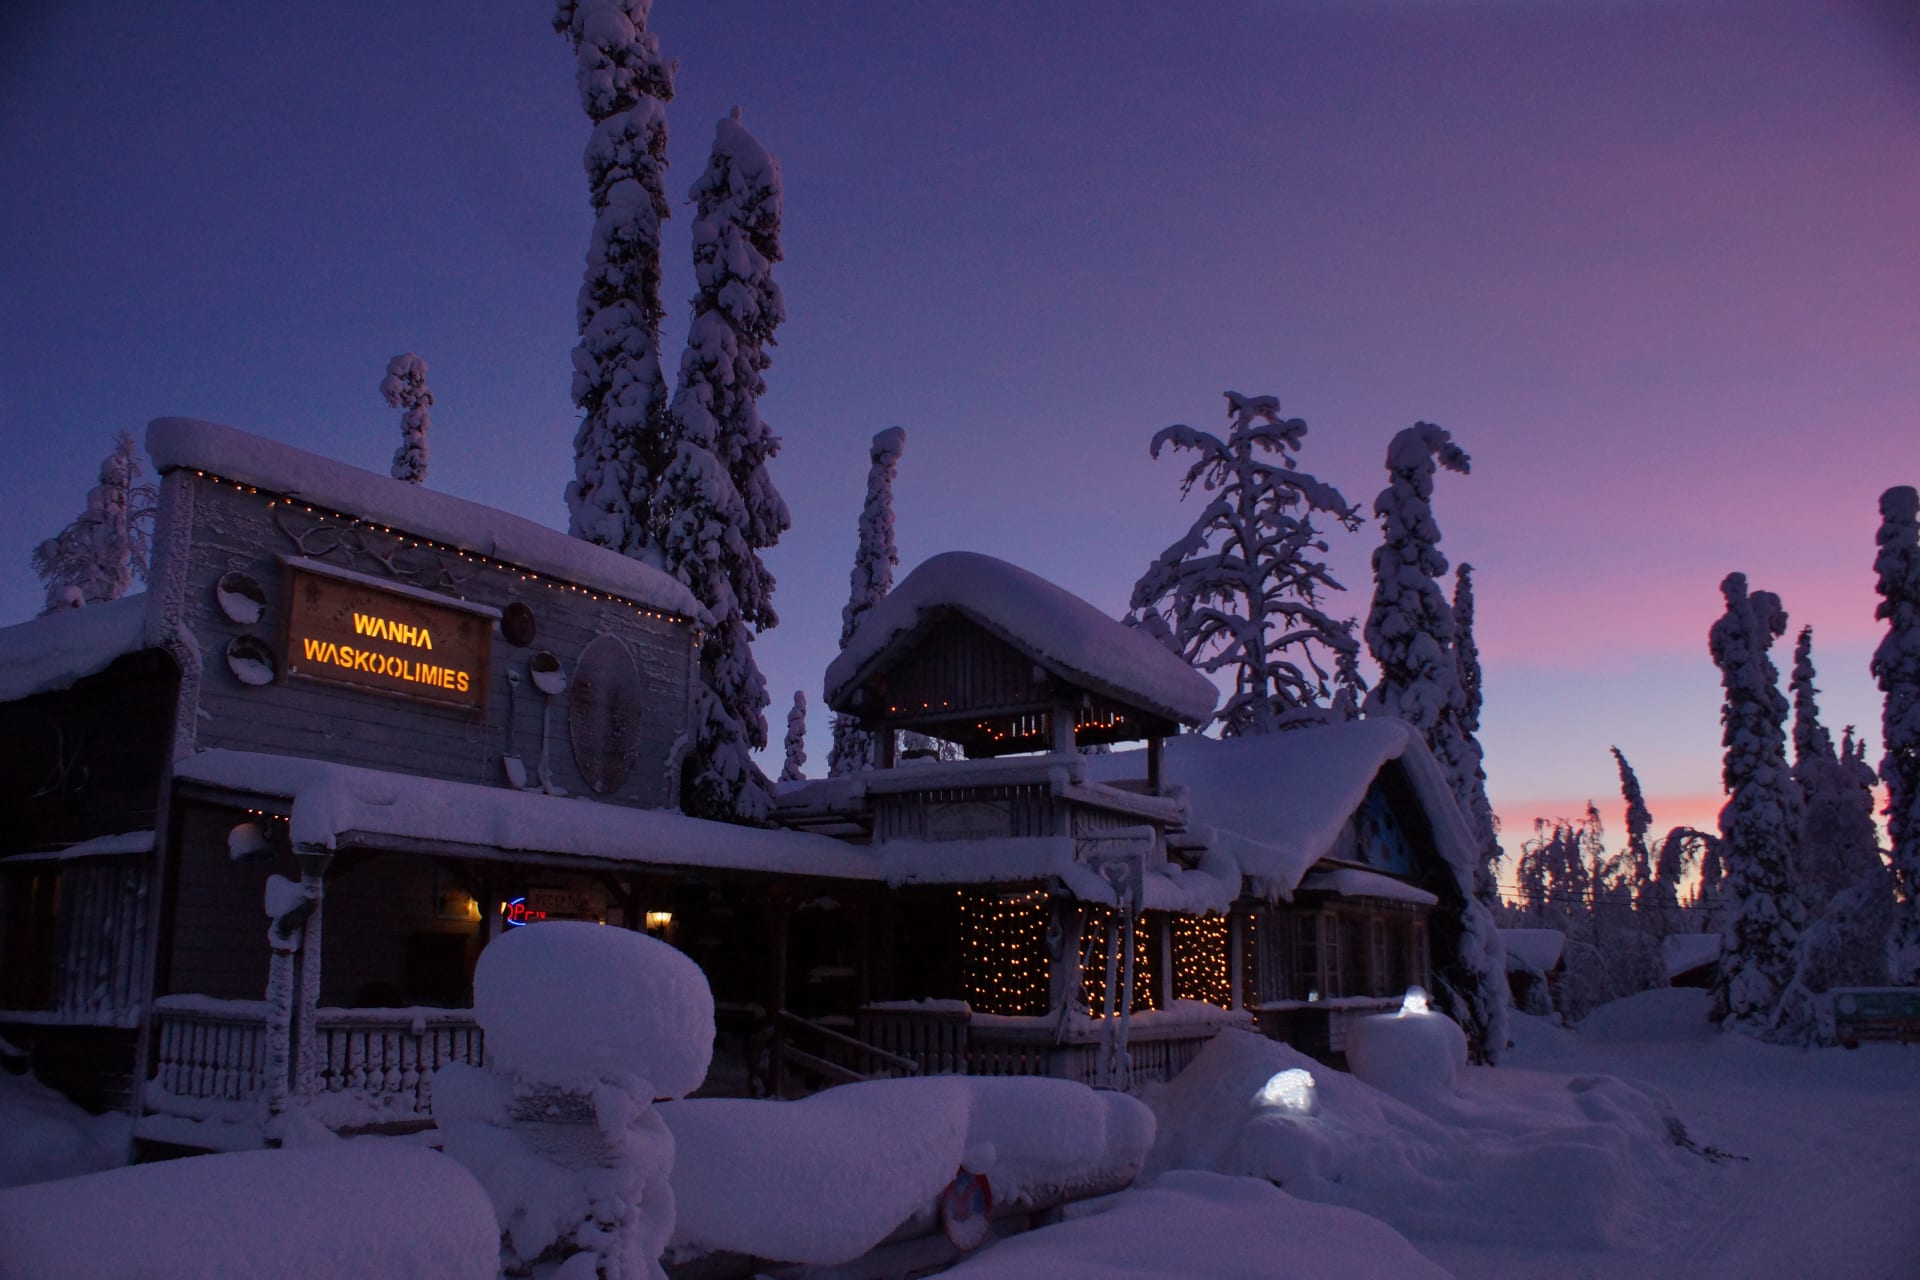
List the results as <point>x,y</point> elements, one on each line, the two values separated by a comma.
<point>1655,265</point>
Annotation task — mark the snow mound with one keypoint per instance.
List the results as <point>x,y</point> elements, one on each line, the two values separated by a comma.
<point>821,1180</point>
<point>1511,1157</point>
<point>1055,1139</point>
<point>44,1136</point>
<point>1410,1055</point>
<point>1203,1224</point>
<point>368,1207</point>
<point>1666,1013</point>
<point>576,1005</point>
<point>827,1178</point>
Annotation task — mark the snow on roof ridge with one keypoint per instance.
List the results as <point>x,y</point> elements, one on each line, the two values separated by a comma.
<point>58,650</point>
<point>282,468</point>
<point>1098,651</point>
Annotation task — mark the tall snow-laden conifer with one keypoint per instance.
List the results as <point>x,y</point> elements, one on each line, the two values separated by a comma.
<point>619,450</point>
<point>97,557</point>
<point>794,767</point>
<point>1760,823</point>
<point>1479,810</point>
<point>405,387</point>
<point>1896,667</point>
<point>717,507</point>
<point>1411,633</point>
<point>1639,822</point>
<point>1241,590</point>
<point>874,559</point>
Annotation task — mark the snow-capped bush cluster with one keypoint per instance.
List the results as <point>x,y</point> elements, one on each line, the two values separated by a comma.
<point>97,557</point>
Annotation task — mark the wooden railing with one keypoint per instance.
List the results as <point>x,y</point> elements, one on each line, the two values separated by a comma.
<point>210,1050</point>
<point>835,1057</point>
<point>370,1065</point>
<point>949,1041</point>
<point>386,1057</point>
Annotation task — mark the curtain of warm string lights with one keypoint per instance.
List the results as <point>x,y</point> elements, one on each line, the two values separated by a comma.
<point>1003,952</point>
<point>1093,975</point>
<point>1200,960</point>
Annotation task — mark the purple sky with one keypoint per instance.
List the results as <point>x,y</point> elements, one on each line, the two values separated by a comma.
<point>1654,265</point>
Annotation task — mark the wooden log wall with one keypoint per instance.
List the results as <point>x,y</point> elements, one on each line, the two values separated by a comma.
<point>234,530</point>
<point>103,938</point>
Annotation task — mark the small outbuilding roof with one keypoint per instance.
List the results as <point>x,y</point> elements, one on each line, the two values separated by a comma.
<point>1052,625</point>
<point>58,650</point>
<point>1277,802</point>
<point>427,513</point>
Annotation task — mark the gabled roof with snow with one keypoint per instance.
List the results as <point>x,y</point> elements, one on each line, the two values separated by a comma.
<point>1052,625</point>
<point>365,806</point>
<point>1535,950</point>
<point>441,517</point>
<point>1278,802</point>
<point>58,650</point>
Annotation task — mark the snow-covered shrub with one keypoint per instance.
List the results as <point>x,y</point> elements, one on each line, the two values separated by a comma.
<point>586,1025</point>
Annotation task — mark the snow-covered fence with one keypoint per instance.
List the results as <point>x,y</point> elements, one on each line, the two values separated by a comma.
<point>209,1050</point>
<point>388,1056</point>
<point>954,1041</point>
<point>371,1065</point>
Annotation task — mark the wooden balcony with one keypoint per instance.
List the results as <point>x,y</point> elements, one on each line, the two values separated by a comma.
<point>949,1039</point>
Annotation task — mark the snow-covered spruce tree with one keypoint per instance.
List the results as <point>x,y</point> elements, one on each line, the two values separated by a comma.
<point>1639,858</point>
<point>874,558</point>
<point>794,767</point>
<point>1896,667</point>
<point>619,450</point>
<point>1241,589</point>
<point>97,557</point>
<point>1410,631</point>
<point>405,387</point>
<point>717,507</point>
<point>1479,810</point>
<point>1760,823</point>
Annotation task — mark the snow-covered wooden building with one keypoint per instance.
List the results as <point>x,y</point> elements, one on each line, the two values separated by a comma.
<point>259,821</point>
<point>349,700</point>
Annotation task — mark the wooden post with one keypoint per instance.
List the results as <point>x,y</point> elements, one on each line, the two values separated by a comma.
<point>885,740</point>
<point>1063,728</point>
<point>781,908</point>
<point>1166,984</point>
<point>1236,944</point>
<point>313,873</point>
<point>1156,763</point>
<point>1066,931</point>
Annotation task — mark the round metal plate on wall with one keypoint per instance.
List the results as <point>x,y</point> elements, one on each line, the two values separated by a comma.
<point>251,661</point>
<point>517,625</point>
<point>604,708</point>
<point>240,597</point>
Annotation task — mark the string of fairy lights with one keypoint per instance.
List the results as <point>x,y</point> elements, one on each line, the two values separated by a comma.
<point>1003,953</point>
<point>521,572</point>
<point>1099,922</point>
<point>1200,961</point>
<point>1004,967</point>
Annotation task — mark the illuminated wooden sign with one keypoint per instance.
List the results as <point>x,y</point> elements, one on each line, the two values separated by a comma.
<point>346,628</point>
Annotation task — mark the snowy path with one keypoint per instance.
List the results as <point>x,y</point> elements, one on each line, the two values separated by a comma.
<point>1828,1188</point>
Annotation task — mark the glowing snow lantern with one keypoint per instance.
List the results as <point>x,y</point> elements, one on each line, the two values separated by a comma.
<point>1290,1090</point>
<point>1416,1000</point>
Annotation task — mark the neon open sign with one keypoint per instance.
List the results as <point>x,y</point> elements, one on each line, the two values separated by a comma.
<point>516,912</point>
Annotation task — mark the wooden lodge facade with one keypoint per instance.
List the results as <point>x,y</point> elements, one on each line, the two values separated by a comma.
<point>257,823</point>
